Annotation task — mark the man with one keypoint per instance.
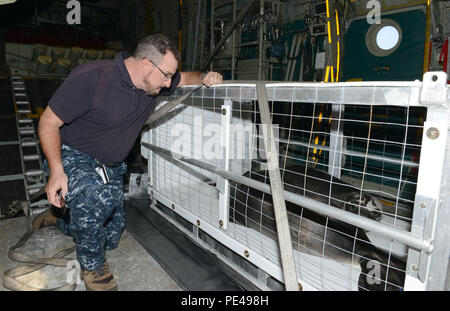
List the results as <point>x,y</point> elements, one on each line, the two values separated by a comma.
<point>86,132</point>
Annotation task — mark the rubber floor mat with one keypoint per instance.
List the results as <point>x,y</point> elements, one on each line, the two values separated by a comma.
<point>192,267</point>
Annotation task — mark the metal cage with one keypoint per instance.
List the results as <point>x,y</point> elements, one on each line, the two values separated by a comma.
<point>363,169</point>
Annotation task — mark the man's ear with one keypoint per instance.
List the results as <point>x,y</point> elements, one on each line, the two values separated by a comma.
<point>147,65</point>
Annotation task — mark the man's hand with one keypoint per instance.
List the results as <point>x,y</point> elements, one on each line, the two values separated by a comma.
<point>57,188</point>
<point>212,78</point>
<point>49,135</point>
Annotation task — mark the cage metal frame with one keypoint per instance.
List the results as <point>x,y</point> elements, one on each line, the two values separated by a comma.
<point>428,248</point>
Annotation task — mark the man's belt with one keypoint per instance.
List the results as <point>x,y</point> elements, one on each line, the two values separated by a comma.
<point>108,164</point>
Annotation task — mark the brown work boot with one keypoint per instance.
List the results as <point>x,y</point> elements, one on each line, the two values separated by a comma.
<point>100,279</point>
<point>45,219</point>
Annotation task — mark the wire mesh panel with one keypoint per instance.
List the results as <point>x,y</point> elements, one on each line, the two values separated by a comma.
<point>192,131</point>
<point>377,189</point>
<point>353,147</point>
<point>185,184</point>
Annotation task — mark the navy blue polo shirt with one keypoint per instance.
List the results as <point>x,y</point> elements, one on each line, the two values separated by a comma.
<point>103,112</point>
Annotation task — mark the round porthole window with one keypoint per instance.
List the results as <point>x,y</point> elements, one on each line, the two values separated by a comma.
<point>384,38</point>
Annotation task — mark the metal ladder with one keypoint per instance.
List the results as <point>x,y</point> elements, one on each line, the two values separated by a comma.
<point>32,165</point>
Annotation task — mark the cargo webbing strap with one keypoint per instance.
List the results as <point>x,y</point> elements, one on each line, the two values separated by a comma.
<point>10,280</point>
<point>279,204</point>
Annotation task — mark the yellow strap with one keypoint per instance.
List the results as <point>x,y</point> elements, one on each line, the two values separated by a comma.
<point>332,73</point>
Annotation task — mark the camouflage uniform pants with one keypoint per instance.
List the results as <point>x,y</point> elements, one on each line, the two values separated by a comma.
<point>96,213</point>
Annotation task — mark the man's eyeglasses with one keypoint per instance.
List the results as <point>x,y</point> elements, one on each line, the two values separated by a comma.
<point>167,75</point>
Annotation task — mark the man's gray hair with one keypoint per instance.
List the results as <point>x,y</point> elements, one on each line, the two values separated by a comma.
<point>154,47</point>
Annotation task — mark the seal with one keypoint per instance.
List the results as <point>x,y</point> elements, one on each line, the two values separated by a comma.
<point>316,234</point>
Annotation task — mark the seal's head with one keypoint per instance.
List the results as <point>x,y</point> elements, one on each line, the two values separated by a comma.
<point>364,204</point>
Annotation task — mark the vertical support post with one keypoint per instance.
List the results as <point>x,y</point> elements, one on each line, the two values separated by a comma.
<point>294,62</point>
<point>202,46</point>
<point>279,204</point>
<point>197,25</point>
<point>212,33</point>
<point>261,39</point>
<point>330,42</point>
<point>233,43</point>
<point>151,166</point>
<point>335,159</point>
<point>223,184</point>
<point>427,205</point>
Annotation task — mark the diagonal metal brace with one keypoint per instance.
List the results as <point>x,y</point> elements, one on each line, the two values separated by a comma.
<point>169,106</point>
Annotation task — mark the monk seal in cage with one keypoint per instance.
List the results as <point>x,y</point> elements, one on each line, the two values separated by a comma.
<point>316,234</point>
